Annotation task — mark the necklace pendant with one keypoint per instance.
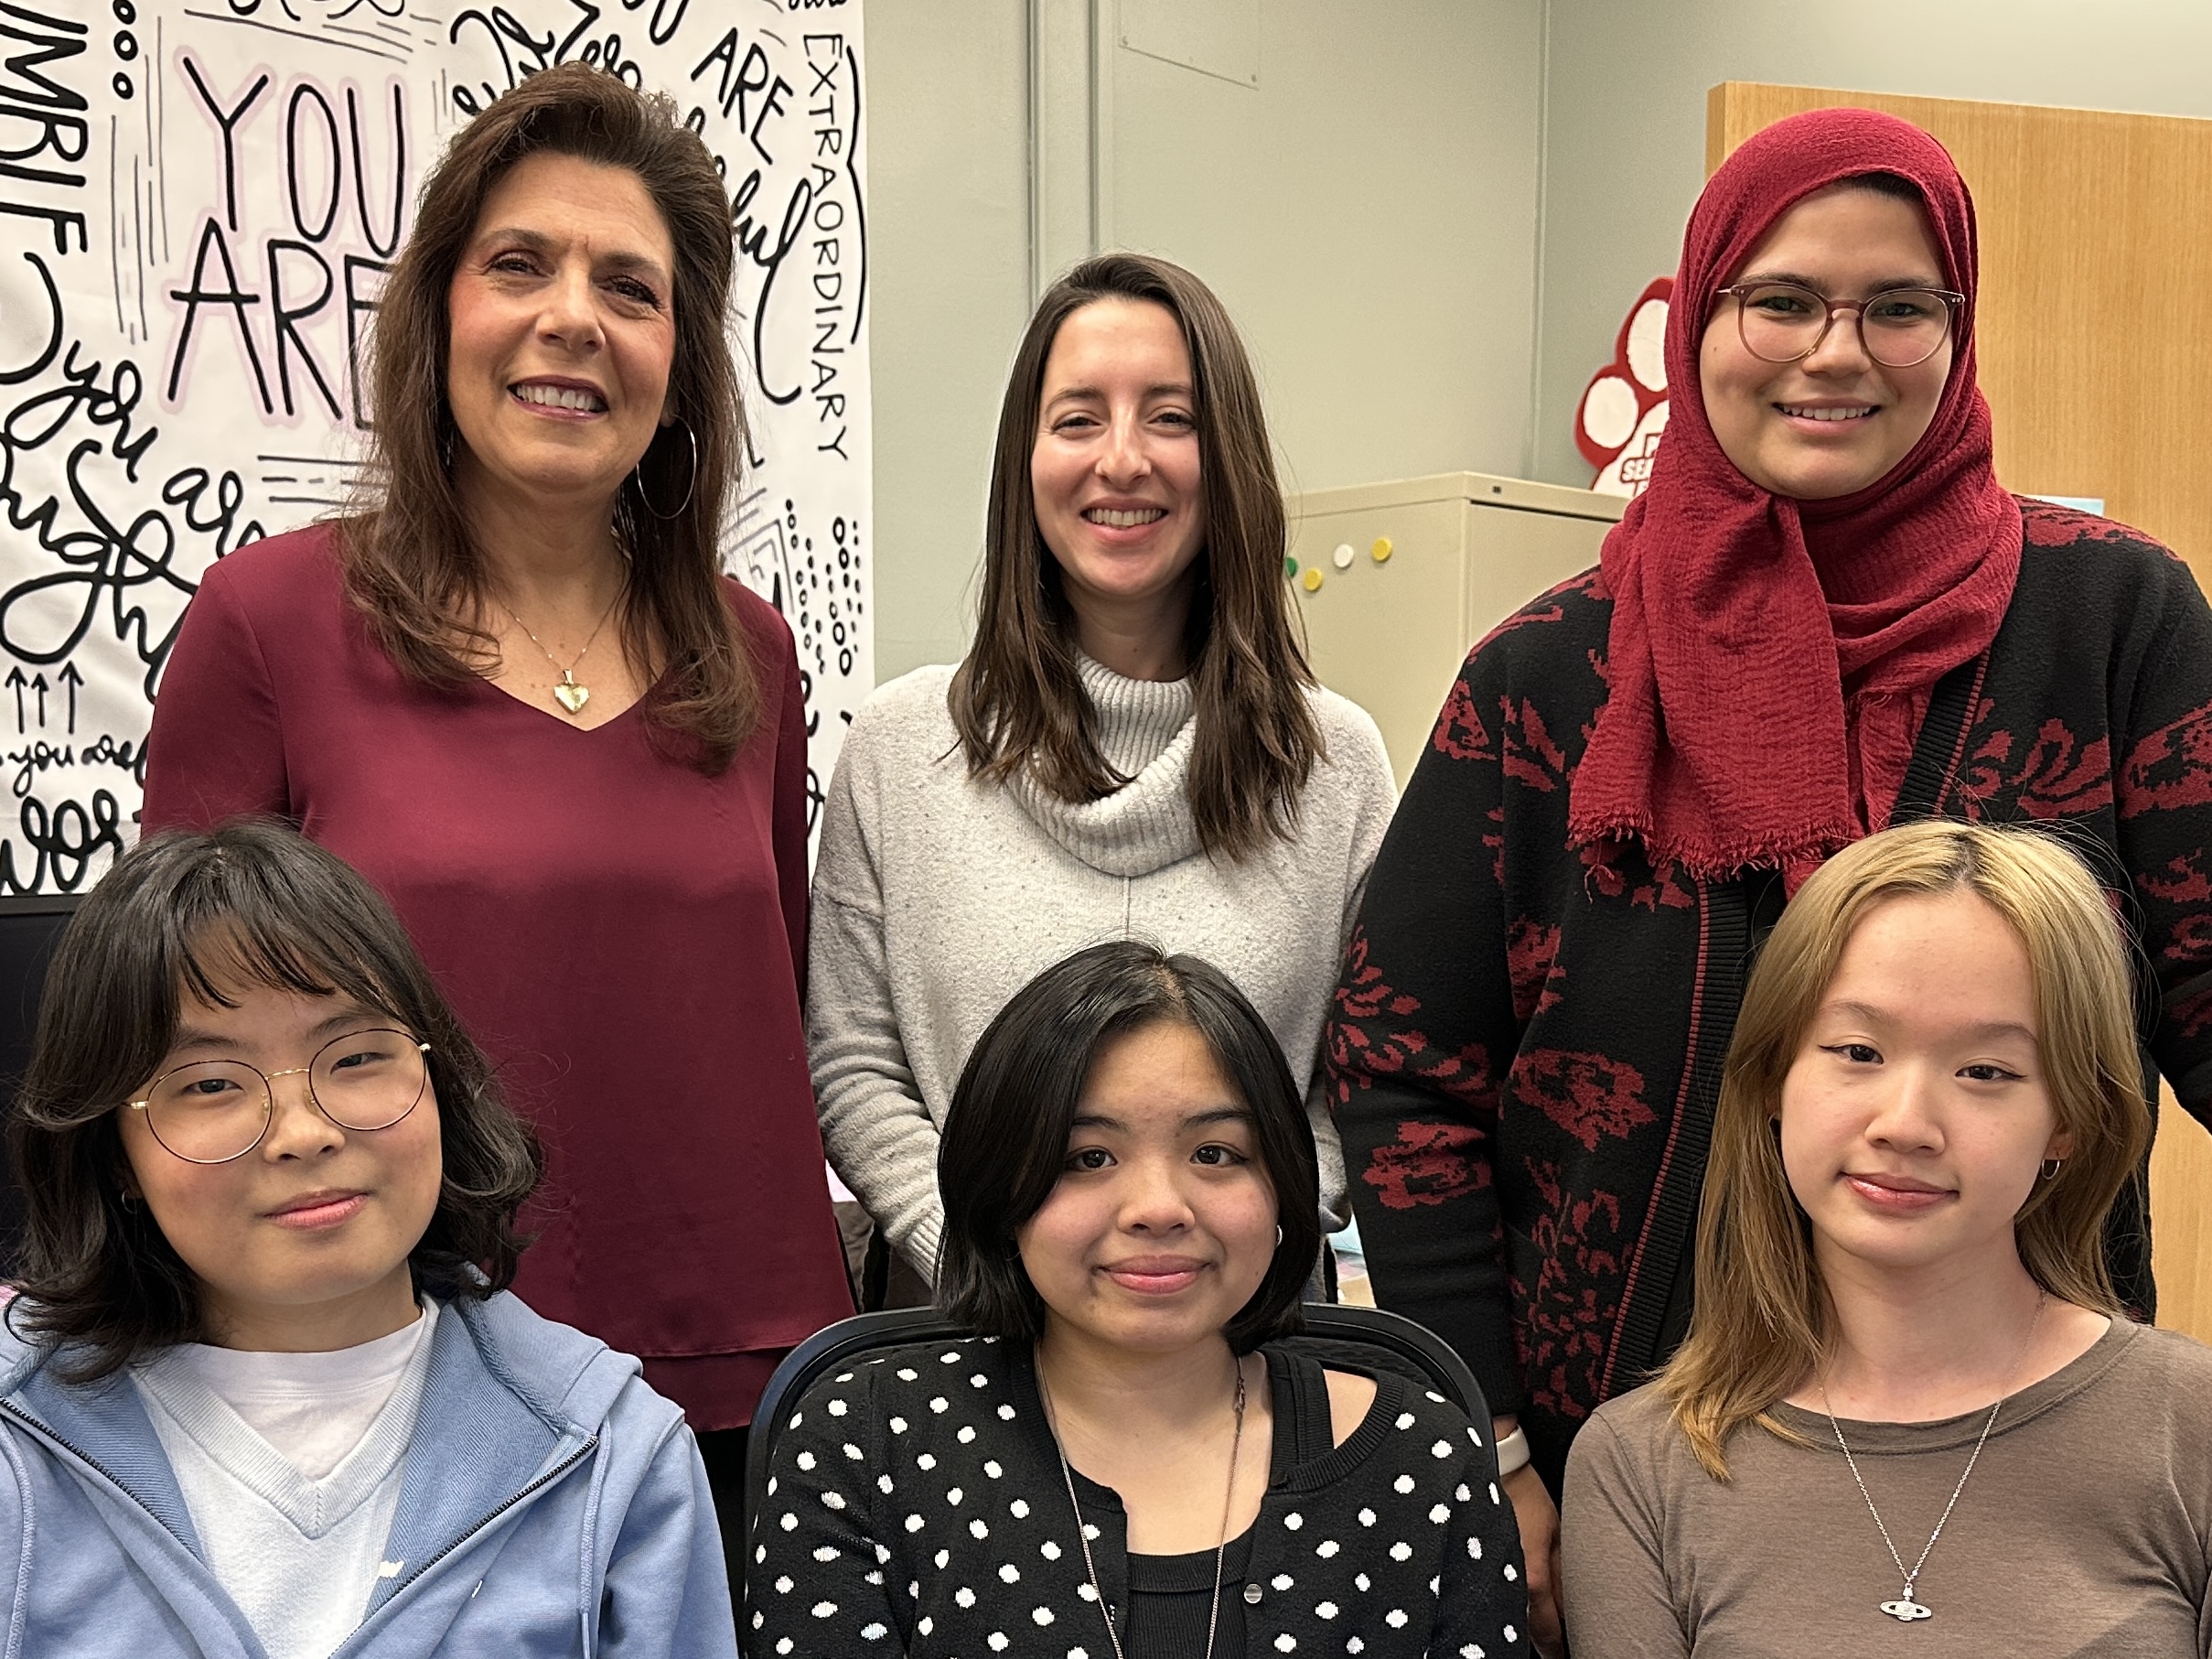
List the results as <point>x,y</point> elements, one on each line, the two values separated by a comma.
<point>1907,1610</point>
<point>572,695</point>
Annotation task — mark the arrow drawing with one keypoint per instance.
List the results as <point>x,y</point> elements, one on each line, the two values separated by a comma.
<point>70,677</point>
<point>16,682</point>
<point>38,685</point>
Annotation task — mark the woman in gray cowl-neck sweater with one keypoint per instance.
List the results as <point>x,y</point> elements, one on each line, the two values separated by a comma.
<point>1134,746</point>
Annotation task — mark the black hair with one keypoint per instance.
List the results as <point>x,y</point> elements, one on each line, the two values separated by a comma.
<point>182,912</point>
<point>1005,1134</point>
<point>1887,184</point>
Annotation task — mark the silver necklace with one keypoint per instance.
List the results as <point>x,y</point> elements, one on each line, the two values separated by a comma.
<point>1213,1613</point>
<point>1905,1610</point>
<point>568,691</point>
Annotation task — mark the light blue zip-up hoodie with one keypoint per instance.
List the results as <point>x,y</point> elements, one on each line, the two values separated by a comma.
<point>551,1503</point>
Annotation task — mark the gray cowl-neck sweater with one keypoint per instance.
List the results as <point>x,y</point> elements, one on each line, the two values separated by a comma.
<point>1145,730</point>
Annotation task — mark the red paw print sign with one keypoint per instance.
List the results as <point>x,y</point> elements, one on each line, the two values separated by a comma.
<point>1624,409</point>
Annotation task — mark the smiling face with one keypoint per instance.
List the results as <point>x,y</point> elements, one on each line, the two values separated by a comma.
<point>1916,1114</point>
<point>1115,472</point>
<point>1834,422</point>
<point>1162,1224</point>
<point>562,329</point>
<point>301,1243</point>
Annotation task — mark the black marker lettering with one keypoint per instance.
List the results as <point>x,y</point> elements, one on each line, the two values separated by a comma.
<point>307,93</point>
<point>287,319</point>
<point>230,294</point>
<point>226,124</point>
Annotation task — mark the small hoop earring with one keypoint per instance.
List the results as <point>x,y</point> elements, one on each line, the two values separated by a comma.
<point>637,475</point>
<point>2051,1166</point>
<point>128,1200</point>
<point>1278,1235</point>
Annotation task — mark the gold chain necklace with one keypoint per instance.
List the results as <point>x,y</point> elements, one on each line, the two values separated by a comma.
<point>571,693</point>
<point>1082,1536</point>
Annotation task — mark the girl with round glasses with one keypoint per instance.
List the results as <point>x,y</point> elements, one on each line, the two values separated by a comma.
<point>1909,1394</point>
<point>1825,616</point>
<point>263,1388</point>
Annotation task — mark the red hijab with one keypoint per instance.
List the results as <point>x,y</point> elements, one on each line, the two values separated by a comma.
<point>1770,660</point>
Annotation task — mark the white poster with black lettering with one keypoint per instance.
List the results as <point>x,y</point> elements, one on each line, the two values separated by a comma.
<point>198,201</point>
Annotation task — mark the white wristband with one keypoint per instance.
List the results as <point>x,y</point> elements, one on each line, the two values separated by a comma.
<point>1512,1453</point>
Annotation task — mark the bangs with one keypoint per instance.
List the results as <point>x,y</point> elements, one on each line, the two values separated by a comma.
<point>221,954</point>
<point>230,930</point>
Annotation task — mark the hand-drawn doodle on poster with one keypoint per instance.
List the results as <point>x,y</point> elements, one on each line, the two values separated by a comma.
<point>198,201</point>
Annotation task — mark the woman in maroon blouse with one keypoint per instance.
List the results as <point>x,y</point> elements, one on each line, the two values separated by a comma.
<point>517,692</point>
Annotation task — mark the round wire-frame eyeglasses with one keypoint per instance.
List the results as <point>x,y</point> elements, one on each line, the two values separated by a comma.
<point>408,1086</point>
<point>1892,348</point>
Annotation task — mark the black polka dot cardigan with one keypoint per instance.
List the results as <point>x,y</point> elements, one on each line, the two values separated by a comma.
<point>917,1507</point>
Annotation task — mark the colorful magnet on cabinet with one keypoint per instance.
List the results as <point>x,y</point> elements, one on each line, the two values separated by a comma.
<point>1342,557</point>
<point>1290,567</point>
<point>1382,550</point>
<point>1312,579</point>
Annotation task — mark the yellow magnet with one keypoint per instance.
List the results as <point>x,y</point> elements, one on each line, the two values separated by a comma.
<point>1312,579</point>
<point>1381,549</point>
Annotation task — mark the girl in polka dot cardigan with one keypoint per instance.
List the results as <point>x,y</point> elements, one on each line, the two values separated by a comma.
<point>1125,1461</point>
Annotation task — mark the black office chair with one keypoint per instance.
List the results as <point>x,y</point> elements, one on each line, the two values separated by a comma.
<point>29,925</point>
<point>1364,1339</point>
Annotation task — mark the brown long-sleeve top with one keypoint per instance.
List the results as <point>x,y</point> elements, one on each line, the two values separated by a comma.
<point>2082,1532</point>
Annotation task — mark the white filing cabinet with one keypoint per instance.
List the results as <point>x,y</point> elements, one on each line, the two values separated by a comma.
<point>1461,551</point>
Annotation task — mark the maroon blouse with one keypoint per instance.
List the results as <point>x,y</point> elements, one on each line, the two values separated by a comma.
<point>624,935</point>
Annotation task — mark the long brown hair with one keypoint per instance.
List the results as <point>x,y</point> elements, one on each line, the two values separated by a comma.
<point>1017,699</point>
<point>409,561</point>
<point>1763,1320</point>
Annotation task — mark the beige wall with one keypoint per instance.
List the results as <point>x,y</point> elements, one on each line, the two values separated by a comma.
<point>1368,212</point>
<point>1624,122</point>
<point>949,202</point>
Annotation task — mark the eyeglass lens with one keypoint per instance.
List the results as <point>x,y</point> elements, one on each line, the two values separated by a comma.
<point>1782,322</point>
<point>212,1110</point>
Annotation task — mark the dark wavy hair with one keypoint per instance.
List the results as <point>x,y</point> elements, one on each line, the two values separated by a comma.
<point>182,912</point>
<point>1017,700</point>
<point>409,561</point>
<point>1005,1135</point>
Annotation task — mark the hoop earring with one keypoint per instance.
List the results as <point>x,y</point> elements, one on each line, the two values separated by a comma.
<point>637,476</point>
<point>2051,1166</point>
<point>1278,1235</point>
<point>128,1200</point>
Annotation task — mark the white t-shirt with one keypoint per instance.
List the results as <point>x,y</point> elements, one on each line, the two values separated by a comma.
<point>290,1465</point>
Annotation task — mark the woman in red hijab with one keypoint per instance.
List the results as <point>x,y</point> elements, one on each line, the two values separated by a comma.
<point>1824,617</point>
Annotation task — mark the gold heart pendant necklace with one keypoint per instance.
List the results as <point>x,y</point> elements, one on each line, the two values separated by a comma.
<point>569,692</point>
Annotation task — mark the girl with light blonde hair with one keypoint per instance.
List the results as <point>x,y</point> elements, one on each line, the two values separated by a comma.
<point>1908,1392</point>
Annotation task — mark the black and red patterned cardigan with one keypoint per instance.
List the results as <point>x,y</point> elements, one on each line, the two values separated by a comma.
<point>1526,1047</point>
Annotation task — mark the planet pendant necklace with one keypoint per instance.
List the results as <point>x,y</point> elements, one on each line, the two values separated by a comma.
<point>1905,1610</point>
<point>571,693</point>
